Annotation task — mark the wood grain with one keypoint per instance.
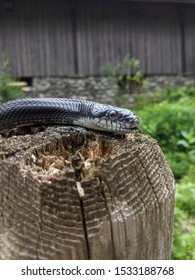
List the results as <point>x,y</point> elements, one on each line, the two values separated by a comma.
<point>68,193</point>
<point>70,38</point>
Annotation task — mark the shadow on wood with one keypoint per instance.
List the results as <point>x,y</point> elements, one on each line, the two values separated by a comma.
<point>69,193</point>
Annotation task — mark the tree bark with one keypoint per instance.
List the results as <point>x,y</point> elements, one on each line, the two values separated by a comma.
<point>69,193</point>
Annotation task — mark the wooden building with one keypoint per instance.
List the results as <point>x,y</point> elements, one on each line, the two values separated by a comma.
<point>70,38</point>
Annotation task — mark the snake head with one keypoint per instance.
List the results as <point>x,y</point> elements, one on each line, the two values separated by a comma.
<point>113,119</point>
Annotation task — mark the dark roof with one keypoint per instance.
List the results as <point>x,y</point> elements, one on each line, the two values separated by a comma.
<point>158,1</point>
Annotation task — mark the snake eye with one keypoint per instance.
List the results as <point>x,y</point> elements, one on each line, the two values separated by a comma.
<point>113,114</point>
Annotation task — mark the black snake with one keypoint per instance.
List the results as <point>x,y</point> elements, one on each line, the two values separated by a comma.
<point>88,114</point>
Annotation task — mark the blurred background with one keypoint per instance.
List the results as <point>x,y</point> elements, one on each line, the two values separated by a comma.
<point>134,54</point>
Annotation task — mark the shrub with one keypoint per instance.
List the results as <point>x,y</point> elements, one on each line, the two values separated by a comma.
<point>169,116</point>
<point>184,224</point>
<point>172,124</point>
<point>127,73</point>
<point>184,236</point>
<point>8,91</point>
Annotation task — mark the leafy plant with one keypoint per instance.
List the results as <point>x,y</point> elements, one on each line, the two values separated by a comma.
<point>173,125</point>
<point>169,116</point>
<point>172,94</point>
<point>127,72</point>
<point>8,90</point>
<point>184,226</point>
<point>184,236</point>
<point>108,70</point>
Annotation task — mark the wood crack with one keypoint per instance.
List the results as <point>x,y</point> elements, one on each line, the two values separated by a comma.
<point>68,193</point>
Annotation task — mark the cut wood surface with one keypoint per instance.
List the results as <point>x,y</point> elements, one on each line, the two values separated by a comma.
<point>69,193</point>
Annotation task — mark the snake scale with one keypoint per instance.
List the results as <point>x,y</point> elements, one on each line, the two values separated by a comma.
<point>64,111</point>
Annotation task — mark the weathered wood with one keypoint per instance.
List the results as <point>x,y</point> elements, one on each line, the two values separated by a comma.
<point>68,38</point>
<point>68,193</point>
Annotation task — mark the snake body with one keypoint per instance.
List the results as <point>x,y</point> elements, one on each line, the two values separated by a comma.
<point>88,114</point>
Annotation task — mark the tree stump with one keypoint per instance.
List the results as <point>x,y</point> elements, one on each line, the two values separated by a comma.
<point>69,193</point>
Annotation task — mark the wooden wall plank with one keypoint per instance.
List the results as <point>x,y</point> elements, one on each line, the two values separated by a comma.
<point>66,38</point>
<point>37,37</point>
<point>189,37</point>
<point>149,33</point>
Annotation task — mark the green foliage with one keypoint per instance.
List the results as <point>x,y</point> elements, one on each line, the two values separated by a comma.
<point>7,91</point>
<point>128,65</point>
<point>184,237</point>
<point>172,124</point>
<point>169,116</point>
<point>108,70</point>
<point>172,94</point>
<point>127,72</point>
<point>185,194</point>
<point>186,197</point>
<point>184,225</point>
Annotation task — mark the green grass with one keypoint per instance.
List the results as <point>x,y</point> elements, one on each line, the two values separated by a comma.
<point>169,117</point>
